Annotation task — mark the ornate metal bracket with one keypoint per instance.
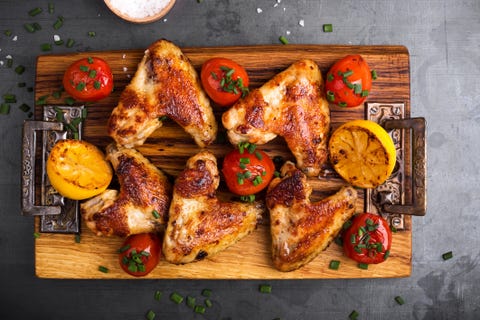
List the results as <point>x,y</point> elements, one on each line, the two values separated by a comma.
<point>404,193</point>
<point>57,214</point>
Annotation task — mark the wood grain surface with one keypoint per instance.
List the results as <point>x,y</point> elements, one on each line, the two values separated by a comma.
<point>59,256</point>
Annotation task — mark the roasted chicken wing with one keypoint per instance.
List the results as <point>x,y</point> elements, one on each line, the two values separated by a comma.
<point>165,84</point>
<point>292,105</point>
<point>200,224</point>
<point>140,206</point>
<point>300,229</point>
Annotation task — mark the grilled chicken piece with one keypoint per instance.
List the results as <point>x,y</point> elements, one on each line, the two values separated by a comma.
<point>143,190</point>
<point>301,229</point>
<point>292,105</point>
<point>199,224</point>
<point>165,84</point>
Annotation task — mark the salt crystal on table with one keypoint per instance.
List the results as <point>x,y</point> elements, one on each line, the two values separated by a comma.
<point>259,10</point>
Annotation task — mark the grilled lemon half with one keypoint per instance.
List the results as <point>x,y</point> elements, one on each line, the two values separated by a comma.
<point>78,169</point>
<point>363,153</point>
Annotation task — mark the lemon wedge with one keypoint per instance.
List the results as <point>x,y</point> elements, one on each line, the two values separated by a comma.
<point>78,169</point>
<point>363,153</point>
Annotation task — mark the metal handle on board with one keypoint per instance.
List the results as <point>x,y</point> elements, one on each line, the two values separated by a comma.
<point>29,142</point>
<point>417,205</point>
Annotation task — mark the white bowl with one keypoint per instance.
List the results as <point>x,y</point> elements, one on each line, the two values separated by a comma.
<point>136,18</point>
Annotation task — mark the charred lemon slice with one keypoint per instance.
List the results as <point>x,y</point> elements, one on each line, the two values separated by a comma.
<point>362,153</point>
<point>78,170</point>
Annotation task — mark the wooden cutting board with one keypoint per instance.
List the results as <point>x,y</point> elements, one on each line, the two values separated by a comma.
<point>60,256</point>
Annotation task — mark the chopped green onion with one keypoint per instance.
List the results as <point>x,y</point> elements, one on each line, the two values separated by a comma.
<point>83,68</point>
<point>283,39</point>
<point>29,27</point>
<point>208,303</point>
<point>77,238</point>
<point>364,93</point>
<point>103,269</point>
<point>51,8</point>
<point>35,11</point>
<point>353,315</point>
<point>245,160</point>
<point>80,86</point>
<point>21,84</point>
<point>155,214</point>
<point>42,100</point>
<point>190,301</point>
<point>58,42</point>
<point>24,107</point>
<point>249,198</point>
<point>374,74</point>
<point>363,266</point>
<point>447,255</point>
<point>176,297</point>
<point>91,34</point>
<point>37,26</point>
<point>58,23</point>
<point>124,248</point>
<point>36,235</point>
<point>399,300</point>
<point>265,288</point>
<point>199,309</point>
<point>150,315</point>
<point>97,85</point>
<point>328,27</point>
<point>90,60</point>
<point>207,293</point>
<point>8,33</point>
<point>357,88</point>
<point>9,62</point>
<point>70,43</point>
<point>258,155</point>
<point>92,74</point>
<point>157,295</point>
<point>334,265</point>
<point>347,73</point>
<point>330,96</point>
<point>330,77</point>
<point>9,98</point>
<point>386,255</point>
<point>20,69</point>
<point>46,47</point>
<point>70,101</point>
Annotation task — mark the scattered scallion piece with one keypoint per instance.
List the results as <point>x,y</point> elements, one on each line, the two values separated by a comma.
<point>58,23</point>
<point>157,295</point>
<point>328,27</point>
<point>208,303</point>
<point>21,84</point>
<point>51,8</point>
<point>176,297</point>
<point>9,62</point>
<point>37,26</point>
<point>19,69</point>
<point>334,265</point>
<point>374,74</point>
<point>70,101</point>
<point>199,309</point>
<point>36,235</point>
<point>447,255</point>
<point>92,34</point>
<point>150,315</point>
<point>265,288</point>
<point>46,47</point>
<point>249,198</point>
<point>70,43</point>
<point>155,214</point>
<point>24,107</point>
<point>363,266</point>
<point>103,269</point>
<point>9,98</point>
<point>190,301</point>
<point>353,315</point>
<point>35,11</point>
<point>8,33</point>
<point>77,238</point>
<point>283,40</point>
<point>29,27</point>
<point>207,293</point>
<point>399,300</point>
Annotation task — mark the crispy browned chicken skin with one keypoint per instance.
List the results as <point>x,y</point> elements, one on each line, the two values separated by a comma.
<point>165,84</point>
<point>300,229</point>
<point>143,190</point>
<point>292,105</point>
<point>200,224</point>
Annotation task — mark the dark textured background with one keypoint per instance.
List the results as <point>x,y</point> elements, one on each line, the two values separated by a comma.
<point>443,38</point>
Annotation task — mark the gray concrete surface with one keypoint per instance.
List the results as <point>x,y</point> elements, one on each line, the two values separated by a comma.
<point>443,38</point>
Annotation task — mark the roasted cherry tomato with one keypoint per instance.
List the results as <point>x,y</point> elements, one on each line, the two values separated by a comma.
<point>140,254</point>
<point>368,239</point>
<point>247,170</point>
<point>224,80</point>
<point>88,79</point>
<point>349,81</point>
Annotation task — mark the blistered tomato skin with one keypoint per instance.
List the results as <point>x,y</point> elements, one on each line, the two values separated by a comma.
<point>89,79</point>
<point>224,80</point>
<point>348,82</point>
<point>140,254</point>
<point>247,172</point>
<point>368,239</point>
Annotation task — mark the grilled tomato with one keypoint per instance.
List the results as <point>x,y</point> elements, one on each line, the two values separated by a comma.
<point>88,79</point>
<point>368,239</point>
<point>140,254</point>
<point>224,80</point>
<point>349,81</point>
<point>78,169</point>
<point>247,170</point>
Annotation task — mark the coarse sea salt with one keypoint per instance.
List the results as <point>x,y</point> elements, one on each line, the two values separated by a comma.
<point>139,8</point>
